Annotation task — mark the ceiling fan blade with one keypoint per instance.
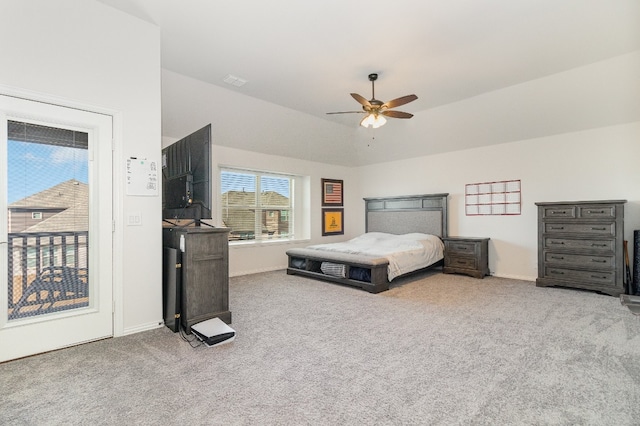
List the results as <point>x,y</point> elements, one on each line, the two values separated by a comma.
<point>347,112</point>
<point>396,114</point>
<point>361,100</point>
<point>400,101</point>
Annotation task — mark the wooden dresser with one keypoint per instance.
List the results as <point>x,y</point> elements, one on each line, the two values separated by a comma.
<point>580,245</point>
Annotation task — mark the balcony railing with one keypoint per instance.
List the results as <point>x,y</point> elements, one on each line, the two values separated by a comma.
<point>47,272</point>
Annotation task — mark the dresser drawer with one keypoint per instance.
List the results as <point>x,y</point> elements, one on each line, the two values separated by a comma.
<point>553,212</point>
<point>555,243</point>
<point>580,260</point>
<point>597,212</point>
<point>593,277</point>
<point>461,262</point>
<point>608,229</point>
<point>460,247</point>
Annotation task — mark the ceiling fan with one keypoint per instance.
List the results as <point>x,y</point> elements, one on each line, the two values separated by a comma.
<point>376,110</point>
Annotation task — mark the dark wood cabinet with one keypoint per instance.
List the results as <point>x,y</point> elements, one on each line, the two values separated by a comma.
<point>204,271</point>
<point>468,256</point>
<point>580,245</point>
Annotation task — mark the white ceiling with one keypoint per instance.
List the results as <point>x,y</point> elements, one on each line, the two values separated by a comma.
<point>309,55</point>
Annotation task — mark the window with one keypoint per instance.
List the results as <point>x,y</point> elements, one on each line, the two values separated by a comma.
<point>70,255</point>
<point>31,257</point>
<point>257,205</point>
<point>36,215</point>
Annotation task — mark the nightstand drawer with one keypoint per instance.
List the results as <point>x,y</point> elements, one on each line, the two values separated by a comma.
<point>461,262</point>
<point>455,247</point>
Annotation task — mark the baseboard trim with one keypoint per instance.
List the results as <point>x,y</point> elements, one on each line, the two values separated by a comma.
<point>257,271</point>
<point>515,277</point>
<point>278,268</point>
<point>143,327</point>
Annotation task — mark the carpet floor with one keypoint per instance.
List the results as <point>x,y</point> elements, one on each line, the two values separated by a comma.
<point>435,349</point>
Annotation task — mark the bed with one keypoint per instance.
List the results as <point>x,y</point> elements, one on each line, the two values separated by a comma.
<point>408,218</point>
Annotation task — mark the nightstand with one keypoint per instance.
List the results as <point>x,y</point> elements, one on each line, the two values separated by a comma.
<point>468,256</point>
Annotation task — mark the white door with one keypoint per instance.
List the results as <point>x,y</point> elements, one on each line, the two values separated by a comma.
<point>56,285</point>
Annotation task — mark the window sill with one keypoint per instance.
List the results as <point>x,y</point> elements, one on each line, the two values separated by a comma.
<point>262,243</point>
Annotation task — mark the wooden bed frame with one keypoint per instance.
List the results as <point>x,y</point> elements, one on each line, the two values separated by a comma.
<point>395,215</point>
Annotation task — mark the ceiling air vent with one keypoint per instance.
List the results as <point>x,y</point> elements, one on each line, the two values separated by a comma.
<point>234,81</point>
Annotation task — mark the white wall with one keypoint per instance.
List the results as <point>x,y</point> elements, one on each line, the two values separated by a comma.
<point>596,95</point>
<point>240,121</point>
<point>253,258</point>
<point>235,117</point>
<point>86,53</point>
<point>571,165</point>
<point>597,164</point>
<point>593,113</point>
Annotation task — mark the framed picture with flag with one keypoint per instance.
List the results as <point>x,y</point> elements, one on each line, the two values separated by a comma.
<point>332,192</point>
<point>332,222</point>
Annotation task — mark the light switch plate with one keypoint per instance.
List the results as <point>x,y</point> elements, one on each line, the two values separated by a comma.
<point>134,219</point>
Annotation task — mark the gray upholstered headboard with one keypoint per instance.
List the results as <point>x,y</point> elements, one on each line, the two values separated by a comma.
<point>404,214</point>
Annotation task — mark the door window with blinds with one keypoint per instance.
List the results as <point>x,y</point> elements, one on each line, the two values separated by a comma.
<point>48,210</point>
<point>257,205</point>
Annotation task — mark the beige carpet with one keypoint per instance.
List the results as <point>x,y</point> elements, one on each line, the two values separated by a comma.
<point>434,350</point>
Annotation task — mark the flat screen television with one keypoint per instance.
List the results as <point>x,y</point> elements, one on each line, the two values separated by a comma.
<point>186,178</point>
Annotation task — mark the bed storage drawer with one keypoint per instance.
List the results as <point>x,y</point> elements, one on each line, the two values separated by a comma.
<point>368,273</point>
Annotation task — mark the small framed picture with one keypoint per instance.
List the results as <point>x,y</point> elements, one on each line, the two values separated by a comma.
<point>332,222</point>
<point>332,192</point>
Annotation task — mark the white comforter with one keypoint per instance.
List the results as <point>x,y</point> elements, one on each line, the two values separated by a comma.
<point>406,252</point>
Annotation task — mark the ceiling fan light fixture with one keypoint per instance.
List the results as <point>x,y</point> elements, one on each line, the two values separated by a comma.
<point>379,121</point>
<point>367,121</point>
<point>373,120</point>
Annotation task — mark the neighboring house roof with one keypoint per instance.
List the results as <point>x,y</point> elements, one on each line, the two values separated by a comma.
<point>63,195</point>
<point>72,196</point>
<point>242,198</point>
<point>242,221</point>
<point>75,218</point>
